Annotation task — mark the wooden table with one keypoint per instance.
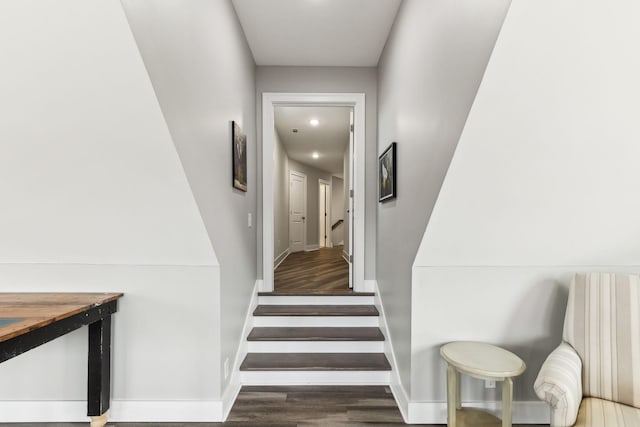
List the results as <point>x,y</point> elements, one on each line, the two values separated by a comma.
<point>28,320</point>
<point>486,362</point>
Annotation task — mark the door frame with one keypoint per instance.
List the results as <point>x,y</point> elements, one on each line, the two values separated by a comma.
<point>304,214</point>
<point>357,102</point>
<point>327,184</point>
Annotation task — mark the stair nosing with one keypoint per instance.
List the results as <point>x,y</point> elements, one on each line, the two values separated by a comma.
<point>317,310</point>
<point>383,363</point>
<point>379,337</point>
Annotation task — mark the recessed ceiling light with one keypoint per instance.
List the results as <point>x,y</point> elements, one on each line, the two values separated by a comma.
<point>315,155</point>
<point>314,122</point>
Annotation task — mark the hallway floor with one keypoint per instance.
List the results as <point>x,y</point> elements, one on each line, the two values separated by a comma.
<point>321,271</point>
<point>330,406</point>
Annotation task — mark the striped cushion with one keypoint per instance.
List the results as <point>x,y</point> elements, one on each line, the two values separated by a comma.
<point>559,383</point>
<point>603,413</point>
<point>602,324</point>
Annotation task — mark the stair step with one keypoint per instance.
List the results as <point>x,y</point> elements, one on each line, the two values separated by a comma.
<point>315,362</point>
<point>316,293</point>
<point>315,310</point>
<point>315,300</point>
<point>316,321</point>
<point>315,346</point>
<point>315,334</point>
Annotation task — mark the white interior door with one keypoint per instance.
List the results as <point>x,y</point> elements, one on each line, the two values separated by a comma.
<point>297,211</point>
<point>324,218</point>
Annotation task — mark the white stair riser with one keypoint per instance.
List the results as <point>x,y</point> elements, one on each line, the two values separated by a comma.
<point>315,300</point>
<point>316,346</point>
<point>315,377</point>
<point>328,321</point>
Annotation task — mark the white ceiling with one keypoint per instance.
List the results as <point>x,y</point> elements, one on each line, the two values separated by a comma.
<point>337,33</point>
<point>330,138</point>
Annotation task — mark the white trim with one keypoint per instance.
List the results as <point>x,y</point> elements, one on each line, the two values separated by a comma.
<point>310,248</point>
<point>345,255</point>
<point>524,412</point>
<point>316,346</point>
<point>328,230</point>
<point>315,377</point>
<point>233,388</point>
<point>304,203</point>
<point>315,300</point>
<point>397,388</point>
<point>355,100</point>
<point>280,258</point>
<point>371,286</point>
<point>71,411</point>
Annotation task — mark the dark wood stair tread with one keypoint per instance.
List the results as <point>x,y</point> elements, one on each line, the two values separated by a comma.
<point>315,310</point>
<point>315,362</point>
<point>315,334</point>
<point>328,293</point>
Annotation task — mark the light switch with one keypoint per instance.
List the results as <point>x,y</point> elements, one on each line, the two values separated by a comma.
<point>249,220</point>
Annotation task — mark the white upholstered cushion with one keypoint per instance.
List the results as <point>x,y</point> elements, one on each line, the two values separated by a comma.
<point>604,413</point>
<point>559,383</point>
<point>602,324</point>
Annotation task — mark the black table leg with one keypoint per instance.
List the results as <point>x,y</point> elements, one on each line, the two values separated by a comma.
<point>99,378</point>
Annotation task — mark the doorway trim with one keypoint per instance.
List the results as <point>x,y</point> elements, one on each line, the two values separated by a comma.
<point>293,173</point>
<point>328,243</point>
<point>269,102</point>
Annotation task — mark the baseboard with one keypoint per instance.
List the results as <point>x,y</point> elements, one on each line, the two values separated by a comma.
<point>399,393</point>
<point>415,412</point>
<point>370,286</point>
<point>345,255</point>
<point>524,412</point>
<point>234,386</point>
<point>35,411</point>
<point>281,257</point>
<point>310,248</point>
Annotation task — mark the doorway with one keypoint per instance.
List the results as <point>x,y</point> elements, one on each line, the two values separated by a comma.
<point>297,211</point>
<point>354,195</point>
<point>325,214</point>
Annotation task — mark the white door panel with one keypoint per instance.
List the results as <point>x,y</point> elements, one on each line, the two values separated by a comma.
<point>297,211</point>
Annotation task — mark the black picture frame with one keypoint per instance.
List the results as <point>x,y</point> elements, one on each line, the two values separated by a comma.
<point>239,157</point>
<point>387,188</point>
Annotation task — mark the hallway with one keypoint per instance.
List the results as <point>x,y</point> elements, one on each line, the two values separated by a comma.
<point>322,271</point>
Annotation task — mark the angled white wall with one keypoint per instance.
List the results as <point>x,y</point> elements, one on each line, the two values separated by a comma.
<point>204,77</point>
<point>88,172</point>
<point>94,198</point>
<point>428,76</point>
<point>543,183</point>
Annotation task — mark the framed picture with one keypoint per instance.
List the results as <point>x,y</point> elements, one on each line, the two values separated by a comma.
<point>387,174</point>
<point>239,148</point>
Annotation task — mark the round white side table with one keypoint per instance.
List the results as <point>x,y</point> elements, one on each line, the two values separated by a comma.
<point>482,361</point>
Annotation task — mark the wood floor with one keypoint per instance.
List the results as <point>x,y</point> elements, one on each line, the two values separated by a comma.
<point>321,271</point>
<point>330,406</point>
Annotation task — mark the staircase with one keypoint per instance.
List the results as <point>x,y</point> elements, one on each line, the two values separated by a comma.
<point>315,339</point>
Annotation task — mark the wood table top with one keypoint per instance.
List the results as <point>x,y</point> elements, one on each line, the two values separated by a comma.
<point>25,312</point>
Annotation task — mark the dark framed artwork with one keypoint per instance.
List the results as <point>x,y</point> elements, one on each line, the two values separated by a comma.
<point>239,148</point>
<point>387,174</point>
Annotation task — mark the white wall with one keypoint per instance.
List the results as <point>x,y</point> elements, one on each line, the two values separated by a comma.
<point>88,172</point>
<point>280,199</point>
<point>94,198</point>
<point>543,184</point>
<point>204,76</point>
<point>337,209</point>
<point>330,80</point>
<point>428,77</point>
